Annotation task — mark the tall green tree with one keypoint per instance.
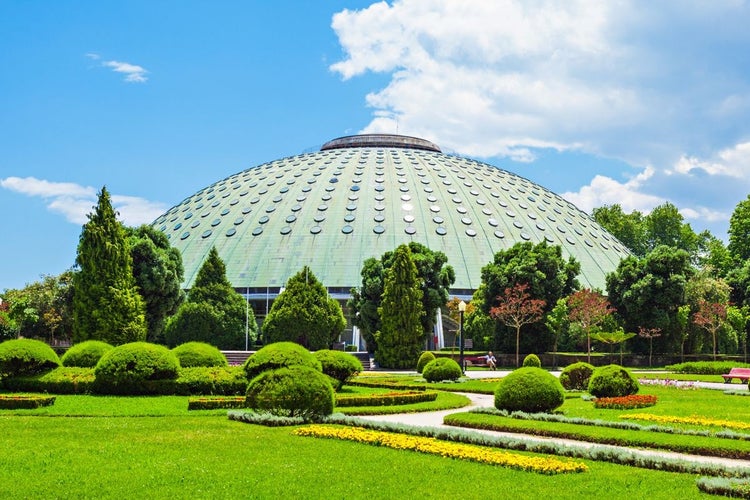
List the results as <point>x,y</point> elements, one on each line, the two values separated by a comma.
<point>629,228</point>
<point>106,302</point>
<point>43,309</point>
<point>158,272</point>
<point>739,232</point>
<point>648,292</point>
<point>305,314</point>
<point>435,277</point>
<point>213,311</point>
<point>402,337</point>
<point>549,277</point>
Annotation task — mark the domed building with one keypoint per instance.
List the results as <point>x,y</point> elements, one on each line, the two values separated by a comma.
<point>360,196</point>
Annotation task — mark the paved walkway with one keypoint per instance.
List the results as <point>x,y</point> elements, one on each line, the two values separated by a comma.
<point>435,419</point>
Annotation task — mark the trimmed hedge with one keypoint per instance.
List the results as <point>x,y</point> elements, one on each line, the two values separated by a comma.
<point>216,403</point>
<point>529,389</point>
<point>532,360</point>
<point>279,355</point>
<point>86,354</point>
<point>389,399</point>
<point>706,367</point>
<point>132,368</point>
<point>10,402</point>
<point>612,381</point>
<point>576,377</point>
<point>297,391</point>
<point>441,369</point>
<point>20,357</point>
<point>208,380</point>
<point>361,382</point>
<point>424,358</point>
<point>338,365</point>
<point>62,380</point>
<point>192,354</point>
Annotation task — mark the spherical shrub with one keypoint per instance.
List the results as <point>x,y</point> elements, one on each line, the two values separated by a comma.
<point>576,377</point>
<point>441,369</point>
<point>191,354</point>
<point>279,355</point>
<point>532,360</point>
<point>86,354</point>
<point>21,357</point>
<point>530,390</point>
<point>128,368</point>
<point>425,358</point>
<point>612,381</point>
<point>338,365</point>
<point>296,391</point>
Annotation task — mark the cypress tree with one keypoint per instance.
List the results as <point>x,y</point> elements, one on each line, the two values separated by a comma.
<point>402,337</point>
<point>106,302</point>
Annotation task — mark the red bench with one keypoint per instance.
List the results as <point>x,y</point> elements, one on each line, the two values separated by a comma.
<point>743,374</point>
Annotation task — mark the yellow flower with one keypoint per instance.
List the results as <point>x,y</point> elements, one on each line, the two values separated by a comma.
<point>694,420</point>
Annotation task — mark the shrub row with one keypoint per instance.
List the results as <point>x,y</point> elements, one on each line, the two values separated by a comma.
<point>10,402</point>
<point>388,385</point>
<point>216,403</point>
<point>706,367</point>
<point>390,399</point>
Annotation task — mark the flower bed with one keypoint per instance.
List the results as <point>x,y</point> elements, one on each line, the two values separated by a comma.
<point>216,402</point>
<point>694,420</point>
<point>626,402</point>
<point>10,402</point>
<point>387,399</point>
<point>543,465</point>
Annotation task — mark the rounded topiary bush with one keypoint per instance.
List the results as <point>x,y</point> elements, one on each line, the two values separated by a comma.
<point>425,358</point>
<point>296,391</point>
<point>20,357</point>
<point>86,354</point>
<point>279,355</point>
<point>576,377</point>
<point>192,354</point>
<point>530,390</point>
<point>338,365</point>
<point>612,381</point>
<point>532,360</point>
<point>441,369</point>
<point>132,368</point>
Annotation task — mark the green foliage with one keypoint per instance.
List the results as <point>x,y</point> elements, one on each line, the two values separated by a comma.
<point>576,377</point>
<point>26,357</point>
<point>12,402</point>
<point>191,354</point>
<point>612,381</point>
<point>126,368</point>
<point>441,369</point>
<point>739,232</point>
<point>628,228</point>
<point>41,310</point>
<point>62,380</point>
<point>338,365</point>
<point>435,278</point>
<point>706,367</point>
<point>86,354</point>
<point>158,273</point>
<point>305,314</point>
<point>206,380</point>
<point>296,391</point>
<point>279,355</point>
<point>216,402</point>
<point>213,313</point>
<point>549,277</point>
<point>389,399</point>
<point>532,360</point>
<point>106,302</point>
<point>529,389</point>
<point>424,358</point>
<point>401,339</point>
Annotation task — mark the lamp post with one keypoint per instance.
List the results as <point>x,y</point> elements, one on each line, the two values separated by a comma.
<point>461,309</point>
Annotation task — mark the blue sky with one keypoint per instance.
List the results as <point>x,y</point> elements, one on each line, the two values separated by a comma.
<point>636,103</point>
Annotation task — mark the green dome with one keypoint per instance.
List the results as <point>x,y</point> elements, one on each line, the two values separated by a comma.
<point>361,196</point>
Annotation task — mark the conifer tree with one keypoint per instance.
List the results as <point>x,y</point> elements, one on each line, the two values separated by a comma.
<point>402,337</point>
<point>304,314</point>
<point>106,303</point>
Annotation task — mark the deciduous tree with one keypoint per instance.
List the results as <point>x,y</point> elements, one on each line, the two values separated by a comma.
<point>516,308</point>
<point>588,309</point>
<point>711,316</point>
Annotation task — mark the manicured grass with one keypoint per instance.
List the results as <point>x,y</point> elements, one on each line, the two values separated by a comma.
<point>212,457</point>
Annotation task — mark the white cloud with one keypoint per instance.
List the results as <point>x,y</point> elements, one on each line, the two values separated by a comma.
<point>133,73</point>
<point>606,191</point>
<point>75,202</point>
<point>730,162</point>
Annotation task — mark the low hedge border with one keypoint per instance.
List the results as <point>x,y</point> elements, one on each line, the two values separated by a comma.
<point>251,417</point>
<point>216,403</point>
<point>465,420</point>
<point>11,402</point>
<point>735,488</point>
<point>389,399</point>
<point>596,452</point>
<point>388,385</point>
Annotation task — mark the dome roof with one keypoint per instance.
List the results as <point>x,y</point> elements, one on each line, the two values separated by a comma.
<point>362,196</point>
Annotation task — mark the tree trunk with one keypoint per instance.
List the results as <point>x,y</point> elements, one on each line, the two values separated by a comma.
<point>518,342</point>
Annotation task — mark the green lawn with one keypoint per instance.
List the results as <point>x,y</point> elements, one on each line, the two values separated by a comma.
<point>180,455</point>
